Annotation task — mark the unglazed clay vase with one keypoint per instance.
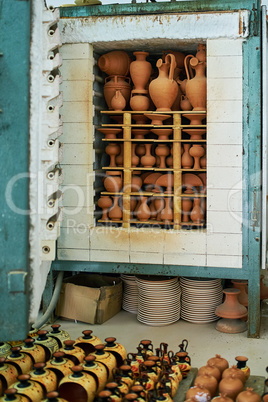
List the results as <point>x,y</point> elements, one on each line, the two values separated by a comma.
<point>105,202</point>
<point>59,334</point>
<point>136,183</point>
<point>248,396</point>
<point>116,62</point>
<point>167,181</point>
<point>115,83</point>
<point>242,365</point>
<point>196,88</point>
<point>139,101</point>
<point>139,133</point>
<point>112,150</point>
<point>196,151</point>
<point>207,381</point>
<point>119,159</point>
<point>231,386</point>
<point>116,349</point>
<point>186,205</point>
<point>78,386</point>
<point>48,342</point>
<point>201,53</point>
<point>115,213</point>
<point>4,349</point>
<point>211,370</point>
<point>242,286</point>
<point>167,212</point>
<point>118,102</point>
<point>162,150</point>
<point>140,70</point>
<point>113,181</point>
<point>98,370</point>
<point>162,133</point>
<point>219,362</point>
<point>135,160</point>
<point>197,213</point>
<point>231,308</point>
<point>201,393</point>
<point>143,213</point>
<point>163,90</point>
<point>187,160</point>
<point>148,160</point>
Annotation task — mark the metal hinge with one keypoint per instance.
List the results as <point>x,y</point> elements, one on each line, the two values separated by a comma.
<point>255,213</point>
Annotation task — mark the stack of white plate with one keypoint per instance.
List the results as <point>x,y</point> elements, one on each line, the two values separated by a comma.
<point>159,300</point>
<point>130,293</point>
<point>199,300</point>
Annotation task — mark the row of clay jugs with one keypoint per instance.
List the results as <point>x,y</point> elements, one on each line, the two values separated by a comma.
<point>163,90</point>
<point>78,386</point>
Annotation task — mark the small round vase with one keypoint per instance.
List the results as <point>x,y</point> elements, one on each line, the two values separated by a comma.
<point>148,160</point>
<point>196,151</point>
<point>162,150</point>
<point>115,213</point>
<point>116,62</point>
<point>185,103</point>
<point>105,202</point>
<point>113,181</point>
<point>139,101</point>
<point>186,159</point>
<point>218,361</point>
<point>140,70</point>
<point>143,212</point>
<point>197,213</point>
<point>112,150</point>
<point>231,387</point>
<point>88,341</point>
<point>248,396</point>
<point>242,365</point>
<point>167,212</point>
<point>118,102</point>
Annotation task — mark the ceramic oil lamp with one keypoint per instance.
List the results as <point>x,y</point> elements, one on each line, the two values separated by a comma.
<point>48,342</point>
<point>37,352</point>
<point>60,364</point>
<point>73,352</point>
<point>78,386</point>
<point>44,376</point>
<point>116,349</point>
<point>88,341</point>
<point>59,334</point>
<point>106,358</point>
<point>26,387</point>
<point>97,369</point>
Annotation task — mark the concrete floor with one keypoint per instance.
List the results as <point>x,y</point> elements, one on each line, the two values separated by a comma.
<point>204,340</point>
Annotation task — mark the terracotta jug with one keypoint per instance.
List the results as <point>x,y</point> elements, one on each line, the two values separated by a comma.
<point>105,202</point>
<point>88,341</point>
<point>59,334</point>
<point>116,62</point>
<point>231,386</point>
<point>219,362</point>
<point>201,53</point>
<point>118,102</point>
<point>185,103</point>
<point>115,213</point>
<point>163,90</point>
<point>113,181</point>
<point>196,88</point>
<point>140,70</point>
<point>97,369</point>
<point>78,386</point>
<point>115,83</point>
<point>143,213</point>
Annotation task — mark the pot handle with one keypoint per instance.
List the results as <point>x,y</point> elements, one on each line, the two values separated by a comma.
<point>173,65</point>
<point>186,66</point>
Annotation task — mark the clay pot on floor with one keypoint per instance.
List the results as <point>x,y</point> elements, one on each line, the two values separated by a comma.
<point>231,386</point>
<point>73,352</point>
<point>88,341</point>
<point>60,364</point>
<point>231,308</point>
<point>116,349</point>
<point>78,386</point>
<point>37,352</point>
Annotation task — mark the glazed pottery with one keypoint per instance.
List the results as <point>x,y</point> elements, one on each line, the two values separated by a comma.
<point>115,213</point>
<point>186,159</point>
<point>48,342</point>
<point>110,132</point>
<point>60,364</point>
<point>113,387</point>
<point>231,308</point>
<point>106,358</point>
<point>163,90</point>
<point>147,346</point>
<point>186,205</point>
<point>231,386</point>
<point>248,396</point>
<point>97,369</point>
<point>138,390</point>
<point>149,367</point>
<point>197,213</point>
<point>116,62</point>
<point>235,372</point>
<point>118,102</point>
<point>32,389</point>
<point>207,381</point>
<point>143,212</point>
<point>113,181</point>
<point>115,83</point>
<point>126,375</point>
<point>72,351</point>
<point>196,88</point>
<point>105,202</point>
<point>12,395</point>
<point>59,334</point>
<point>210,370</point>
<point>8,374</point>
<point>22,361</point>
<point>242,286</point>
<point>78,386</point>
<point>4,349</point>
<point>140,70</point>
<point>54,397</point>
<point>139,101</point>
<point>116,349</point>
<point>184,363</point>
<point>219,362</point>
<point>196,151</point>
<point>37,352</point>
<point>199,391</point>
<point>104,396</point>
<point>44,376</point>
<point>148,160</point>
<point>242,365</point>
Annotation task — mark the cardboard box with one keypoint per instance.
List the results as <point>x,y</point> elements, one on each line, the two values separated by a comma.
<point>91,298</point>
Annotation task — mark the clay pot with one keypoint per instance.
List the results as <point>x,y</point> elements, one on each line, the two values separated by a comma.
<point>140,70</point>
<point>143,213</point>
<point>211,370</point>
<point>78,386</point>
<point>162,133</point>
<point>36,352</point>
<point>109,132</point>
<point>116,83</point>
<point>116,349</point>
<point>231,308</point>
<point>148,160</point>
<point>207,381</point>
<point>235,373</point>
<point>22,361</point>
<point>32,389</point>
<point>115,213</point>
<point>136,183</point>
<point>116,62</point>
<point>113,181</point>
<point>248,396</point>
<point>119,159</point>
<point>166,180</point>
<point>54,397</point>
<point>60,365</point>
<point>8,374</point>
<point>139,101</point>
<point>162,150</point>
<point>219,362</point>
<point>202,393</point>
<point>186,205</point>
<point>98,370</point>
<point>197,213</point>
<point>201,53</point>
<point>222,398</point>
<point>186,159</point>
<point>163,90</point>
<point>4,349</point>
<point>185,103</point>
<point>242,365</point>
<point>192,183</point>
<point>112,150</point>
<point>231,387</point>
<point>196,88</point>
<point>12,395</point>
<point>106,358</point>
<point>73,352</point>
<point>105,202</point>
<point>196,151</point>
<point>59,334</point>
<point>135,160</point>
<point>118,102</point>
<point>47,378</point>
<point>242,286</point>
<point>48,342</point>
<point>167,212</point>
